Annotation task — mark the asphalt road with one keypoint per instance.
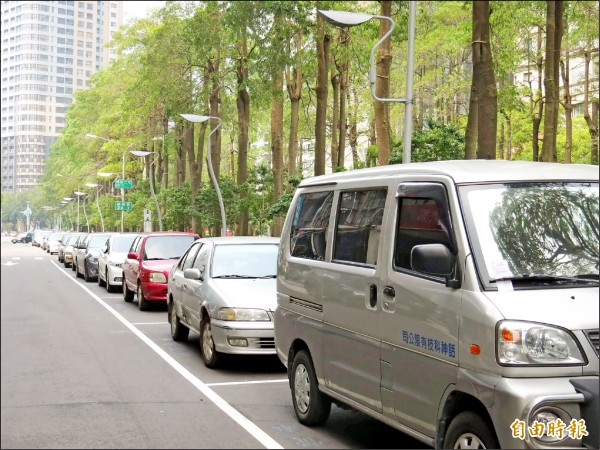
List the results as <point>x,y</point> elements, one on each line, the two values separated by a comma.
<point>80,368</point>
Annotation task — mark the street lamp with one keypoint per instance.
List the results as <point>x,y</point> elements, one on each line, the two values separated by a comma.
<point>98,189</point>
<point>79,194</point>
<point>199,119</point>
<point>93,136</point>
<point>347,19</point>
<point>144,154</point>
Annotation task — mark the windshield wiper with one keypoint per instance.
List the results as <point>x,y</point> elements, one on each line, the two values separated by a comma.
<point>234,276</point>
<point>268,276</point>
<point>535,277</point>
<point>155,259</point>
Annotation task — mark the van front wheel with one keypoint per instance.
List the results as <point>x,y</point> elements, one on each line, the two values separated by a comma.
<point>469,430</point>
<point>311,406</point>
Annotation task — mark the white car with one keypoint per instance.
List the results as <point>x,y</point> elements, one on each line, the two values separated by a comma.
<point>54,242</point>
<point>110,260</point>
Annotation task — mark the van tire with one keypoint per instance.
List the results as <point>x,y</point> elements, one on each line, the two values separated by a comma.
<point>127,294</point>
<point>207,345</point>
<point>470,430</point>
<point>311,406</point>
<point>179,332</point>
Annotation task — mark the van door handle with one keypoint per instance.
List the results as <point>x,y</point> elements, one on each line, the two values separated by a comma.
<point>388,290</point>
<point>373,296</point>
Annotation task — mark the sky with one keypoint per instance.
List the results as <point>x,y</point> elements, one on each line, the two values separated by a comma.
<point>138,9</point>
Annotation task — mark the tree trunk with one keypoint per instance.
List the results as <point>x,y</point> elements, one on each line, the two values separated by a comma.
<point>471,130</point>
<point>321,90</point>
<point>243,110</point>
<point>344,79</point>
<point>568,106</point>
<point>294,88</point>
<point>483,73</point>
<point>537,115</point>
<point>179,155</point>
<point>335,92</point>
<point>277,142</point>
<point>554,29</point>
<point>382,87</point>
<point>352,127</point>
<point>591,121</point>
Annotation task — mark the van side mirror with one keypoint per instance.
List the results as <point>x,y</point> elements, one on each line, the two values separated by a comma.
<point>131,255</point>
<point>192,274</point>
<point>437,260</point>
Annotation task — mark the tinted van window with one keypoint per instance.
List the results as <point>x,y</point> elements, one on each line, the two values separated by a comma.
<point>308,237</point>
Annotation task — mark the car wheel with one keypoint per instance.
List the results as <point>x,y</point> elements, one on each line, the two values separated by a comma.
<point>207,345</point>
<point>74,265</point>
<point>101,282</point>
<point>142,302</point>
<point>66,264</point>
<point>127,294</point>
<point>470,430</point>
<point>86,276</point>
<point>179,332</point>
<point>311,406</point>
<point>77,273</point>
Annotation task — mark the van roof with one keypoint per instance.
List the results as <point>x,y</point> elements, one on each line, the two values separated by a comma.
<point>470,171</point>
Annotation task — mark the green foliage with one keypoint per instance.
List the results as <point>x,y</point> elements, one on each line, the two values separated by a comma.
<point>436,142</point>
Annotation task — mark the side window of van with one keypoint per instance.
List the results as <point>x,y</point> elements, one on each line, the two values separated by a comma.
<point>309,227</point>
<point>358,226</point>
<point>418,223</point>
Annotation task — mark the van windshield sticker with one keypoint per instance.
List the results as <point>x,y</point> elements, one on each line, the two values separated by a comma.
<point>500,269</point>
<point>430,344</point>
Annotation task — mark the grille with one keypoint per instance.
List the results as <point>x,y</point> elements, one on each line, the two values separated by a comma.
<point>266,342</point>
<point>592,336</point>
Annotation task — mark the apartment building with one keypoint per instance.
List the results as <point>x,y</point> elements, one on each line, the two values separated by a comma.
<point>50,49</point>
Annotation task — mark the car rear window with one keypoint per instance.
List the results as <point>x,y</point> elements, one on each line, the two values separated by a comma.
<point>167,247</point>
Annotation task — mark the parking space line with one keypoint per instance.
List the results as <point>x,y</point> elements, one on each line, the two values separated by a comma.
<point>219,402</point>
<point>234,383</point>
<point>149,323</point>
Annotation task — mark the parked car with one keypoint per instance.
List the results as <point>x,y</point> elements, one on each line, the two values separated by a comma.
<point>38,235</point>
<point>111,258</point>
<point>455,300</point>
<point>224,289</point>
<point>60,254</point>
<point>69,248</point>
<point>23,238</point>
<point>45,237</point>
<point>54,242</point>
<point>148,263</point>
<point>86,256</point>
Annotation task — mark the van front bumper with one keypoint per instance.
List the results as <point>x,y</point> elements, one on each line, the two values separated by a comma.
<point>518,401</point>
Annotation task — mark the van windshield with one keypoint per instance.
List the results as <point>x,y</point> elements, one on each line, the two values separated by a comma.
<point>534,233</point>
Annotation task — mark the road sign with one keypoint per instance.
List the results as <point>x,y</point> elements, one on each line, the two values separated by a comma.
<point>123,184</point>
<point>147,220</point>
<point>123,206</point>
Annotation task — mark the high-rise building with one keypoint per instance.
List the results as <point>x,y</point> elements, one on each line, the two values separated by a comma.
<point>50,49</point>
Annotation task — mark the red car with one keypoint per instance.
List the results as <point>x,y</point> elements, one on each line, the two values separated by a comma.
<point>147,266</point>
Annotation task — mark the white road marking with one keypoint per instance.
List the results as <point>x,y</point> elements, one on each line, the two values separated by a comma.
<point>149,323</point>
<point>249,426</point>
<point>232,383</point>
<point>39,257</point>
<point>9,263</point>
<point>16,257</point>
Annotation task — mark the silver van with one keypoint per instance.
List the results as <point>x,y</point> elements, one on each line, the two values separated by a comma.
<point>456,301</point>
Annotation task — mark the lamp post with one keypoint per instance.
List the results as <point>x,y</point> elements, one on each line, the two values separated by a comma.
<point>79,194</point>
<point>144,154</point>
<point>98,189</point>
<point>199,119</point>
<point>347,19</point>
<point>93,136</point>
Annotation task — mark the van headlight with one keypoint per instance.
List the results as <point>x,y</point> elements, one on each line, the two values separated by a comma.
<point>245,314</point>
<point>157,277</point>
<point>530,343</point>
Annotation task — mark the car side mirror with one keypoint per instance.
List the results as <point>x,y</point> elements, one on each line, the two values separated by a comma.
<point>192,274</point>
<point>436,260</point>
<point>132,255</point>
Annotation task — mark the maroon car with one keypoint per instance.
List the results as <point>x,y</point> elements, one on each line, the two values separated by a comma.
<point>147,266</point>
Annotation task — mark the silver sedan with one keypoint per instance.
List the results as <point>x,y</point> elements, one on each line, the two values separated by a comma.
<point>224,289</point>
